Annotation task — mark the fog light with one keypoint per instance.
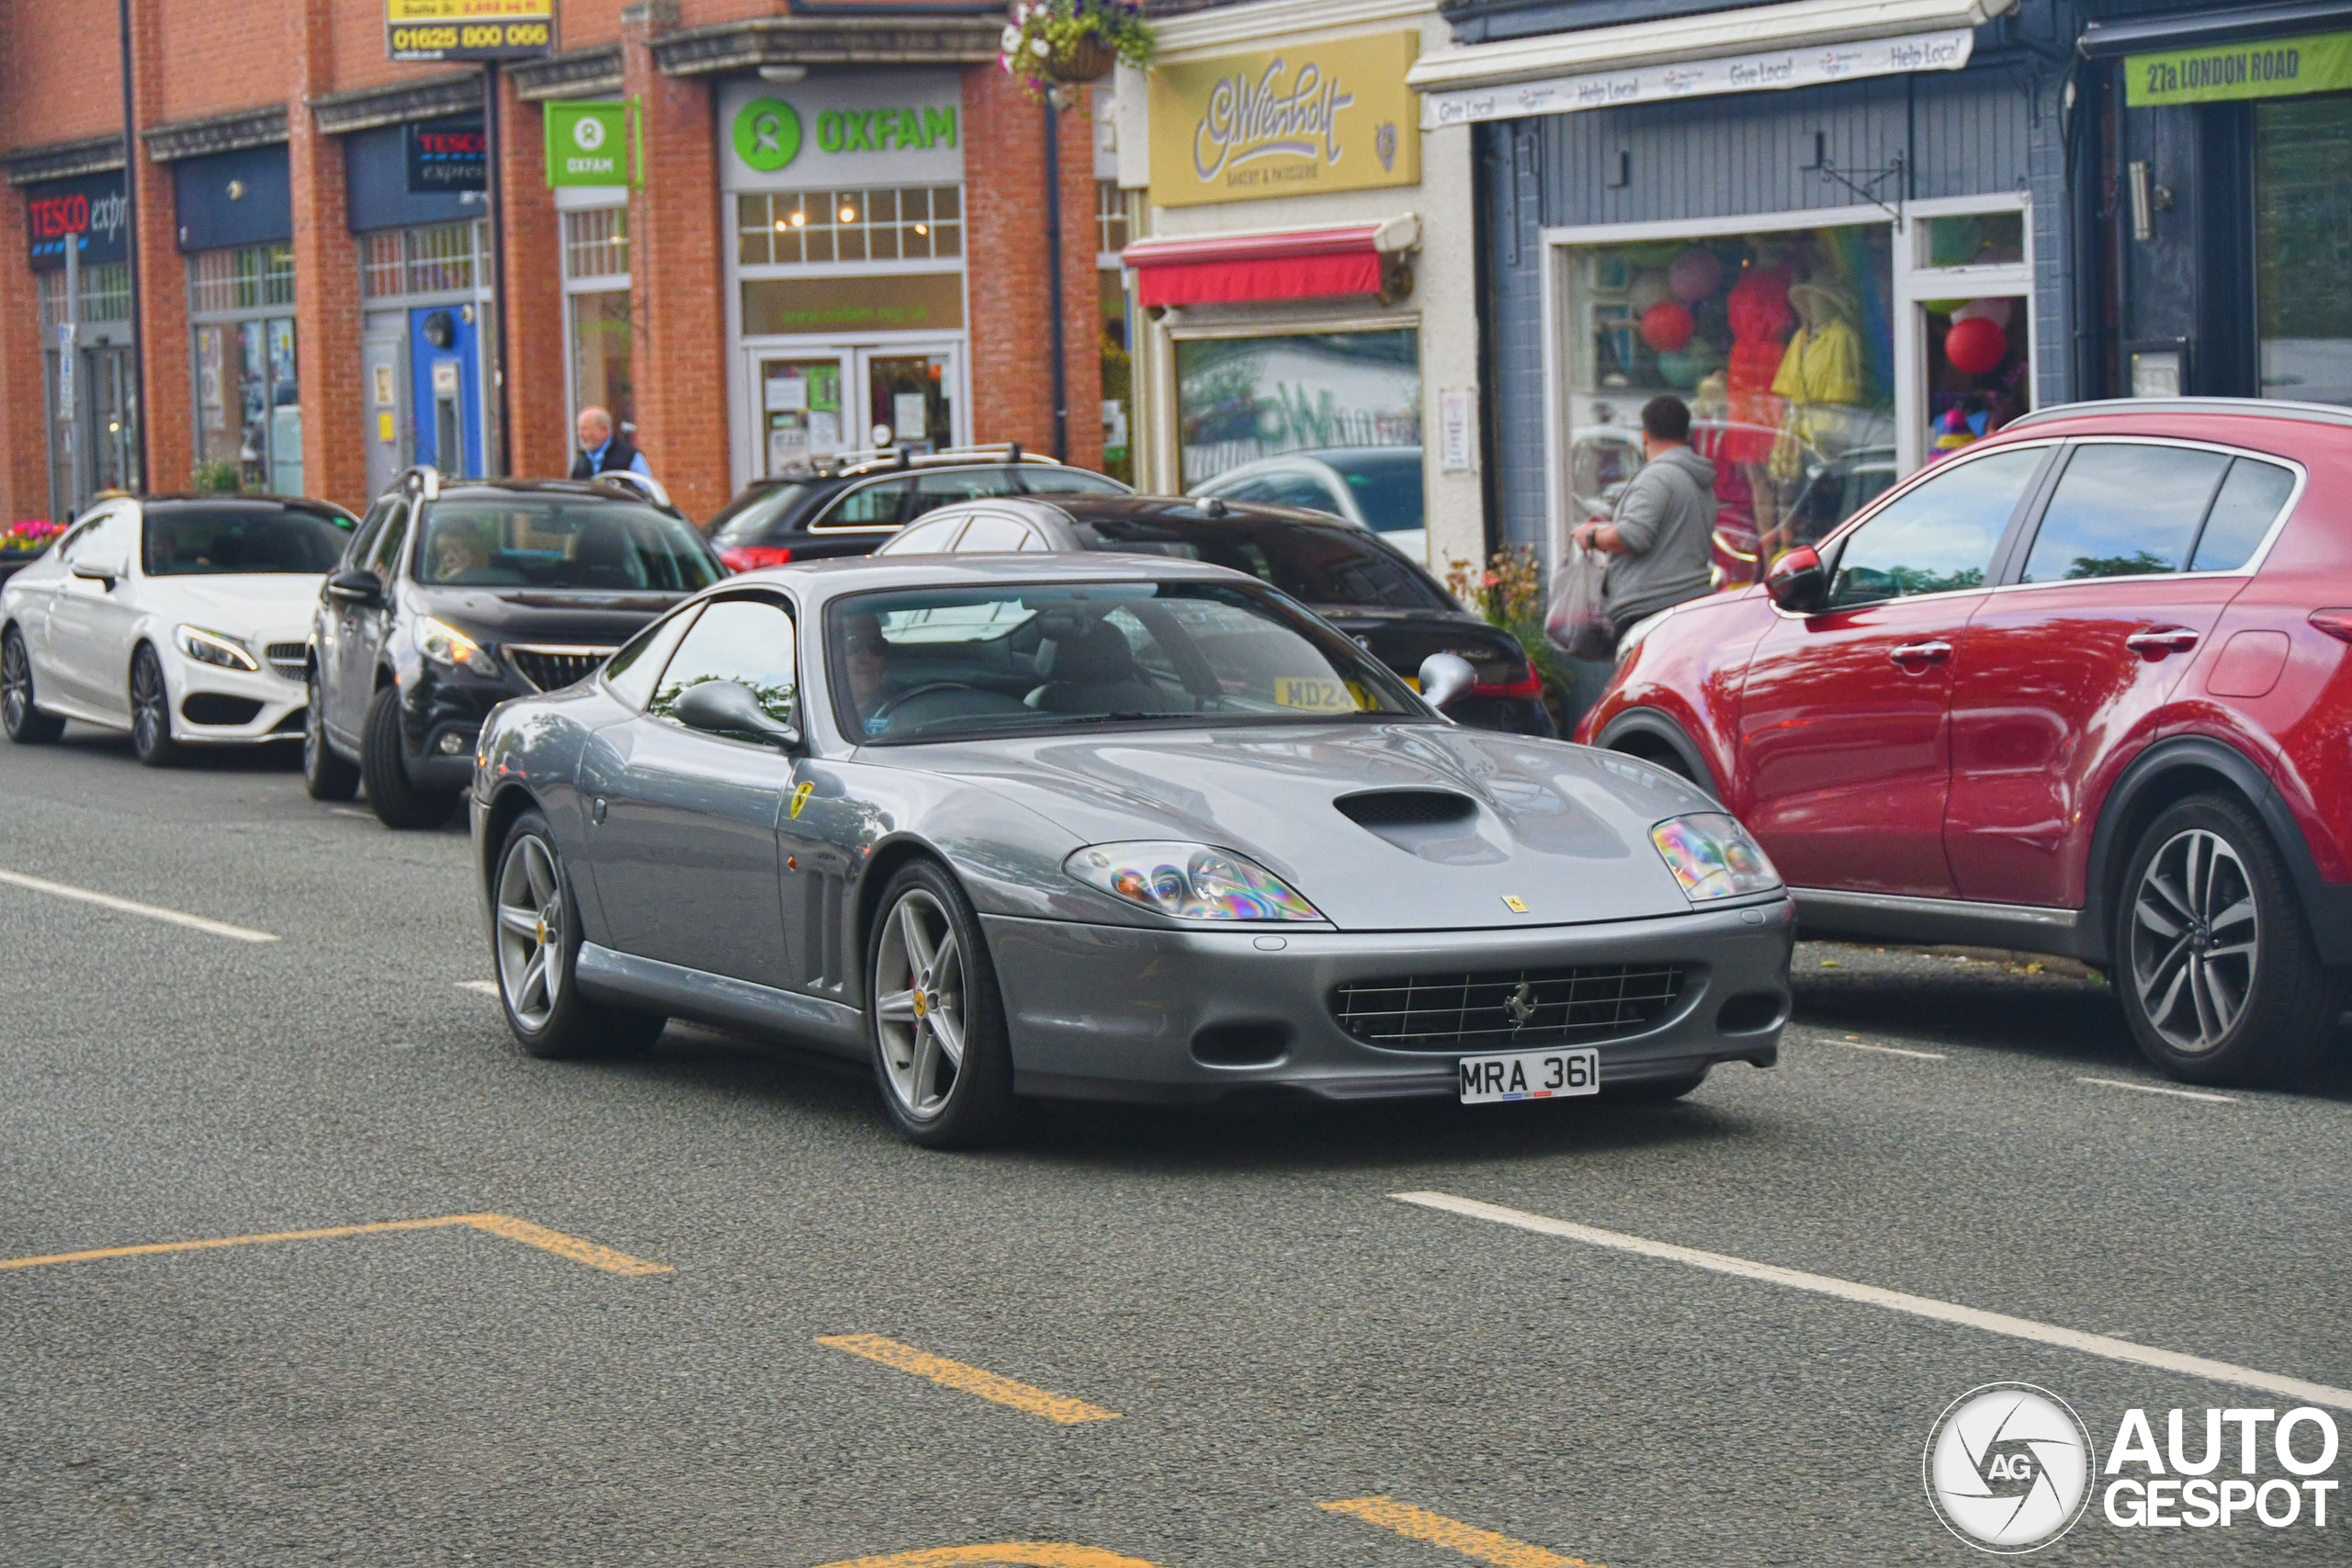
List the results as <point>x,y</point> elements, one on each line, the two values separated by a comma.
<point>453,743</point>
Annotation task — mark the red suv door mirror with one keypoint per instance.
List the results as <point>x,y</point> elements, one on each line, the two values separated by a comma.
<point>1797,582</point>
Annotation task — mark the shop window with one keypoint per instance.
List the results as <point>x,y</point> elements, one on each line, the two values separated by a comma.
<point>1782,344</point>
<point>1976,239</point>
<point>797,227</point>
<point>249,277</point>
<point>1118,376</point>
<point>595,242</point>
<point>2302,245</point>
<point>437,258</point>
<point>249,409</point>
<point>1245,398</point>
<point>104,296</point>
<point>596,308</point>
<point>1110,218</point>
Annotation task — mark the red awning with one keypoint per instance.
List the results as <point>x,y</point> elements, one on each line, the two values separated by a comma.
<point>1302,263</point>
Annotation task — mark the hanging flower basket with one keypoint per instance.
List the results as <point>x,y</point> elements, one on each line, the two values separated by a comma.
<point>1055,43</point>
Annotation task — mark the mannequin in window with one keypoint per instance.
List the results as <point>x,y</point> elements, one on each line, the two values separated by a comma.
<point>1821,380</point>
<point>1760,317</point>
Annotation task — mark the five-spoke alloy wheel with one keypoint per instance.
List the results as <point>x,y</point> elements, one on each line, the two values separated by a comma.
<point>2215,965</point>
<point>535,941</point>
<point>936,1024</point>
<point>25,723</point>
<point>151,711</point>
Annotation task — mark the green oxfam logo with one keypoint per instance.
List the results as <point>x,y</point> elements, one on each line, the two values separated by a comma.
<point>767,134</point>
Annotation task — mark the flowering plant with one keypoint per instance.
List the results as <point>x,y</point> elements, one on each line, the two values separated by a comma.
<point>1509,592</point>
<point>1051,42</point>
<point>32,534</point>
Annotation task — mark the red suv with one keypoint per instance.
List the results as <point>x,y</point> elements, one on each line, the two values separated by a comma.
<point>2083,688</point>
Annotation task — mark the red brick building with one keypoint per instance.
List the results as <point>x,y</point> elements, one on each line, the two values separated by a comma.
<point>840,224</point>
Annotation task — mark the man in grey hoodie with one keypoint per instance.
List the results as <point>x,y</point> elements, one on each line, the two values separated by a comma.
<point>1662,537</point>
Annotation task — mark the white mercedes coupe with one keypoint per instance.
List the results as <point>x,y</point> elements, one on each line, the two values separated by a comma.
<point>181,619</point>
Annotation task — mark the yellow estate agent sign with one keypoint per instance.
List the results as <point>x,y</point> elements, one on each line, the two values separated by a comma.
<point>1283,122</point>
<point>2272,68</point>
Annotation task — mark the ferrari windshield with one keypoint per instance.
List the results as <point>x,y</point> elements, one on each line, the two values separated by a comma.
<point>951,663</point>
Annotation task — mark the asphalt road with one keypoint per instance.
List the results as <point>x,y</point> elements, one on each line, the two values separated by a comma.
<point>1271,1328</point>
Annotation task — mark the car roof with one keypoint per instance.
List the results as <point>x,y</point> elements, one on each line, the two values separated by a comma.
<point>584,489</point>
<point>822,579</point>
<point>2137,411</point>
<point>173,499</point>
<point>1190,510</point>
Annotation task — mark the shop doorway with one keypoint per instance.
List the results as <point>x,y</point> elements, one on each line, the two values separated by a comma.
<point>444,377</point>
<point>380,354</point>
<point>821,403</point>
<point>101,450</point>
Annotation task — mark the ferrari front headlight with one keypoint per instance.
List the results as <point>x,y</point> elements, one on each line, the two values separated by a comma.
<point>214,648</point>
<point>1712,857</point>
<point>445,644</point>
<point>1190,882</point>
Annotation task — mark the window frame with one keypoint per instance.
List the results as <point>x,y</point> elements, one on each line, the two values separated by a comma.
<point>2012,565</point>
<point>2005,560</point>
<point>700,607</point>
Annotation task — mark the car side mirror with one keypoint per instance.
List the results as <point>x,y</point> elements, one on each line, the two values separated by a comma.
<point>727,708</point>
<point>105,572</point>
<point>1444,678</point>
<point>362,588</point>
<point>1798,583</point>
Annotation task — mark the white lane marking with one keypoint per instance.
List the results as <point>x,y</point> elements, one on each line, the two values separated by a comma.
<point>1886,1050</point>
<point>2159,1088</point>
<point>487,987</point>
<point>1893,1301</point>
<point>352,811</point>
<point>132,906</point>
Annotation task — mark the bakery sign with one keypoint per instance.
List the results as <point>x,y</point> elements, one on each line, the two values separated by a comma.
<point>1321,117</point>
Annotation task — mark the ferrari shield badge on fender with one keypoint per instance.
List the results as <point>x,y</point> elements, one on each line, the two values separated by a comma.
<point>1516,905</point>
<point>800,798</point>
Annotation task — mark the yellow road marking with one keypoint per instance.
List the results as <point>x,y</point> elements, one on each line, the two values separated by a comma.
<point>1419,1524</point>
<point>972,1380</point>
<point>1010,1554</point>
<point>506,1226</point>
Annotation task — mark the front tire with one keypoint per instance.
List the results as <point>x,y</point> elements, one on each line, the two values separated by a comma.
<point>2214,962</point>
<point>151,711</point>
<point>399,803</point>
<point>20,716</point>
<point>934,1018</point>
<point>535,942</point>
<point>324,774</point>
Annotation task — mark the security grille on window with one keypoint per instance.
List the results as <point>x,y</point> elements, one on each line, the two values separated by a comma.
<point>248,277</point>
<point>434,259</point>
<point>915,223</point>
<point>106,295</point>
<point>595,243</point>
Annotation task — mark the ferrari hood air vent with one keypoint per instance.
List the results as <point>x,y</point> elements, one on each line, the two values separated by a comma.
<point>1406,807</point>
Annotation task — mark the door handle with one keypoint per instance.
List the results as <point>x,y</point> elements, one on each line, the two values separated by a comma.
<point>2154,645</point>
<point>1926,652</point>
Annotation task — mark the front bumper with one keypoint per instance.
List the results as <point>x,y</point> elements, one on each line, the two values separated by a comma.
<point>441,710</point>
<point>1117,1012</point>
<point>202,694</point>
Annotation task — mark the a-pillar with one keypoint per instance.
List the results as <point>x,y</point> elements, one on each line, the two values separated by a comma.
<point>677,307</point>
<point>1005,186</point>
<point>24,411</point>
<point>337,423</point>
<point>538,434</point>
<point>168,414</point>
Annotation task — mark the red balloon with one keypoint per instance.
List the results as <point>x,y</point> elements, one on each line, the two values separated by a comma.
<point>1666,326</point>
<point>1975,346</point>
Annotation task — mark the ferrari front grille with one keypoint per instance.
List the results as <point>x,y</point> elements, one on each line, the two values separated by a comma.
<point>1531,1007</point>
<point>552,669</point>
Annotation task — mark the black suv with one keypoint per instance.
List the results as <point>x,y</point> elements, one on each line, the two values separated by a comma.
<point>1343,572</point>
<point>845,505</point>
<point>456,595</point>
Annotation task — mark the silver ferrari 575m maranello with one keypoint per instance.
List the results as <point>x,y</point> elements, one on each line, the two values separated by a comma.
<point>1103,828</point>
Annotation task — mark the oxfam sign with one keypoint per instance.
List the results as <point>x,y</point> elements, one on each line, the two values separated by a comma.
<point>847,128</point>
<point>767,134</point>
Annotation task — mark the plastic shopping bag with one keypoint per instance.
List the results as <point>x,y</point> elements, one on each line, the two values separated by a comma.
<point>1576,622</point>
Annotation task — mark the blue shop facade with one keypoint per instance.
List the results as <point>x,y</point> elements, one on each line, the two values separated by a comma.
<point>1855,237</point>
